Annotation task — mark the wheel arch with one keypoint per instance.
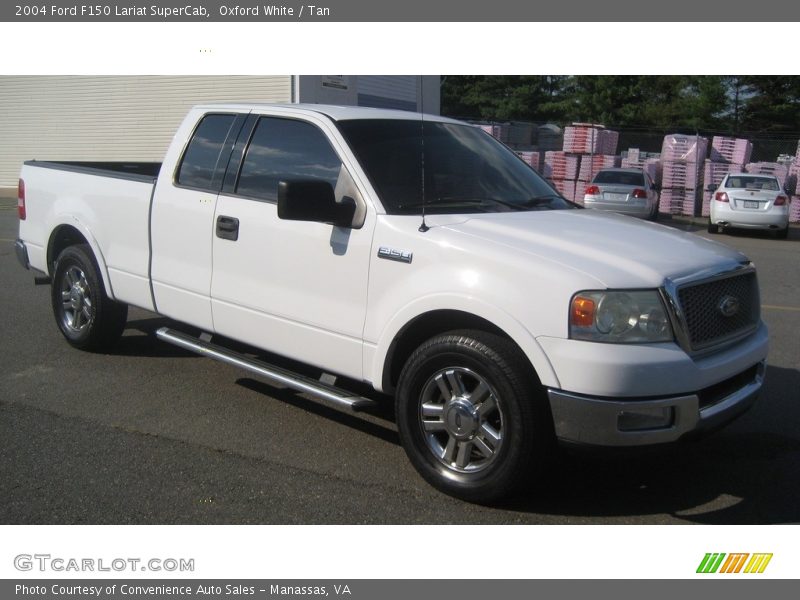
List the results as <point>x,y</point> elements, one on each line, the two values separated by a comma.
<point>393,354</point>
<point>67,234</point>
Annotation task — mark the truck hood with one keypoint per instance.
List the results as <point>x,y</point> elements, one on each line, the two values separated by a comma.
<point>615,250</point>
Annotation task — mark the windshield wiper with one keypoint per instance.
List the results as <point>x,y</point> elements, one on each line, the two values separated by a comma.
<point>452,202</point>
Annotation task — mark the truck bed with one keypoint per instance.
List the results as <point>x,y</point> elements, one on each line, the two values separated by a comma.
<point>136,171</point>
<point>108,203</point>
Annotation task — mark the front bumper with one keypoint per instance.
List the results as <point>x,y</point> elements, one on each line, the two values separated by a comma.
<point>596,421</point>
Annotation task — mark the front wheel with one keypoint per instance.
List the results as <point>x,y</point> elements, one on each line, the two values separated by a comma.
<point>86,316</point>
<point>471,416</point>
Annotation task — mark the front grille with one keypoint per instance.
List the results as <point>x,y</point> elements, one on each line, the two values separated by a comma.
<point>705,304</point>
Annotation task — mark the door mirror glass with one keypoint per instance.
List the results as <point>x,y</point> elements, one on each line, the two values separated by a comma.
<point>314,200</point>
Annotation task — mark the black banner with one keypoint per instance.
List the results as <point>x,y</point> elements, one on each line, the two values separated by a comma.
<point>406,11</point>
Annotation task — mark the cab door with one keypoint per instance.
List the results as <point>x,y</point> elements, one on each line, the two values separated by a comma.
<point>182,216</point>
<point>295,288</point>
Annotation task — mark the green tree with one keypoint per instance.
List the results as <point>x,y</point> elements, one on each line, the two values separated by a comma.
<point>772,105</point>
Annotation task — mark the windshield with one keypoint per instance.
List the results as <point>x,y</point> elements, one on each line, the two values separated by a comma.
<point>619,178</point>
<point>746,182</point>
<point>466,170</point>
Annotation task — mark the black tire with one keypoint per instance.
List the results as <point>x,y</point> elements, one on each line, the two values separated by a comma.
<point>713,228</point>
<point>782,234</point>
<point>86,316</point>
<point>522,450</point>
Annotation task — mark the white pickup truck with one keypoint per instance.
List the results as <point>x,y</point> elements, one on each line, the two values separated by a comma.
<point>414,253</point>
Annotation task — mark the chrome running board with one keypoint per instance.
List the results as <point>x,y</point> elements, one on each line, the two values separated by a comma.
<point>273,374</point>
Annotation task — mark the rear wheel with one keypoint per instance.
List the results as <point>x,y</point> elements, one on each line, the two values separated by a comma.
<point>472,418</point>
<point>712,228</point>
<point>86,316</point>
<point>782,234</point>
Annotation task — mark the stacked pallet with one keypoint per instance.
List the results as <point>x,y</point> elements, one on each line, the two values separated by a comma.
<point>560,165</point>
<point>567,188</point>
<point>591,164</point>
<point>499,131</point>
<point>592,147</point>
<point>794,207</point>
<point>530,157</point>
<point>731,150</point>
<point>713,174</point>
<point>779,171</point>
<point>682,178</point>
<point>649,162</point>
<point>588,138</point>
<point>794,210</point>
<point>677,201</point>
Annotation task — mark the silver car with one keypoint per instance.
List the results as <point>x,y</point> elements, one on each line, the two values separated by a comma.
<point>626,191</point>
<point>750,201</point>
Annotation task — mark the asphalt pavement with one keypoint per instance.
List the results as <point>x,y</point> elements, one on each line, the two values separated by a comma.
<point>153,434</point>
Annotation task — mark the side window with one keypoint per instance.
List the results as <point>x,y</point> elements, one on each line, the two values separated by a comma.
<point>201,158</point>
<point>283,149</point>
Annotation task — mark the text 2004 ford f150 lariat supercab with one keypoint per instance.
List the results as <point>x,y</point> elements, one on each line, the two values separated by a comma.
<point>417,254</point>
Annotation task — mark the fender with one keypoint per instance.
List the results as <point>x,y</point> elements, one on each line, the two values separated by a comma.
<point>67,219</point>
<point>444,301</point>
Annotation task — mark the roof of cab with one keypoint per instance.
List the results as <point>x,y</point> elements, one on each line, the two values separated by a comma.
<point>336,113</point>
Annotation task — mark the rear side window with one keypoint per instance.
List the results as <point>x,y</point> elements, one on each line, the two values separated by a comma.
<point>201,160</point>
<point>285,149</point>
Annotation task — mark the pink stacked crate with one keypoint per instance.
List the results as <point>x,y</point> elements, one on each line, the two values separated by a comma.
<point>680,147</point>
<point>654,168</point>
<point>560,165</point>
<point>793,178</point>
<point>566,188</point>
<point>612,139</point>
<point>582,138</point>
<point>591,164</point>
<point>676,202</point>
<point>714,173</point>
<point>731,150</point>
<point>794,210</point>
<point>635,159</point>
<point>589,138</point>
<point>681,174</point>
<point>531,158</point>
<point>706,209</point>
<point>580,190</point>
<point>498,131</point>
<point>781,172</point>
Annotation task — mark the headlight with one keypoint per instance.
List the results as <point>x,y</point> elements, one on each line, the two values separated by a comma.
<point>619,317</point>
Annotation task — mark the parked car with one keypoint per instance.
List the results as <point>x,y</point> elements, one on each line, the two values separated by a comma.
<point>751,202</point>
<point>501,317</point>
<point>627,191</point>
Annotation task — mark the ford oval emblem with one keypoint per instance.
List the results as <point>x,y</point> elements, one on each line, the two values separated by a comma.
<point>728,306</point>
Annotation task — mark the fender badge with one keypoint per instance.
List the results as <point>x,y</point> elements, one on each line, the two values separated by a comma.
<point>392,254</point>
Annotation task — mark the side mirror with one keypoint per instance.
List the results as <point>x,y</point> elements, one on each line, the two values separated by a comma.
<point>313,200</point>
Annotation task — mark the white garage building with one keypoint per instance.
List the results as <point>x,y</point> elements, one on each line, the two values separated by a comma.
<point>133,118</point>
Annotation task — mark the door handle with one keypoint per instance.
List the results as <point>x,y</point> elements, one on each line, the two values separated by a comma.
<point>227,228</point>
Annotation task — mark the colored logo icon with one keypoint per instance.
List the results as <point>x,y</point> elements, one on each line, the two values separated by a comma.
<point>719,562</point>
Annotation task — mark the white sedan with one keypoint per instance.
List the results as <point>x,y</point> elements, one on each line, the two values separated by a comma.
<point>627,191</point>
<point>751,202</point>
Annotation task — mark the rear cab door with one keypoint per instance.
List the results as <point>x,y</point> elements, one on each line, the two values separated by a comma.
<point>182,217</point>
